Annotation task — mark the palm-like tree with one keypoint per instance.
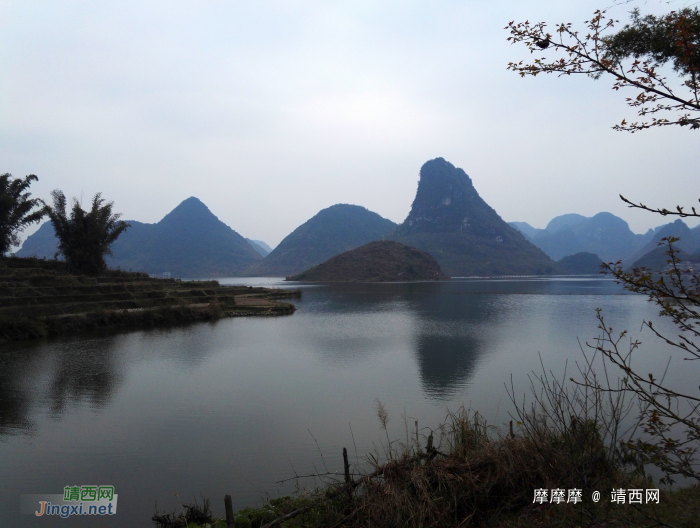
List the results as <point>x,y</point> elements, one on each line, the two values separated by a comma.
<point>85,237</point>
<point>16,209</point>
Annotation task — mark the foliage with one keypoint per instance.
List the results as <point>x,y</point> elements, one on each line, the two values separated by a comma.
<point>465,473</point>
<point>651,41</point>
<point>257,517</point>
<point>670,419</point>
<point>673,37</point>
<point>16,209</point>
<point>192,515</point>
<point>85,237</point>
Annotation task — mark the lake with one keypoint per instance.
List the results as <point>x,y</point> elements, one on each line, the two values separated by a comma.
<point>234,406</point>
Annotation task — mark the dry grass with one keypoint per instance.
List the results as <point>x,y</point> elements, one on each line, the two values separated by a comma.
<point>466,473</point>
<point>470,474</point>
<point>480,478</point>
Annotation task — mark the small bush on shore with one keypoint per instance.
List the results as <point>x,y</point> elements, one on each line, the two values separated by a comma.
<point>192,516</point>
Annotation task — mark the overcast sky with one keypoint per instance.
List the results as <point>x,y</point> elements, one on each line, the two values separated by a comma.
<point>269,111</point>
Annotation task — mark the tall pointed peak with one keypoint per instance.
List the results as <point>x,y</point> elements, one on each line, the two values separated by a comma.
<point>449,220</point>
<point>446,200</point>
<point>190,209</point>
<point>440,169</point>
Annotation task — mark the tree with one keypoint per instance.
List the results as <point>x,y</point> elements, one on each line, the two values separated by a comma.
<point>17,209</point>
<point>669,418</point>
<point>84,238</point>
<point>650,41</point>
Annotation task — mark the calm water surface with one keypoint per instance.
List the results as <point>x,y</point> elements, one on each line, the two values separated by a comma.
<point>234,406</point>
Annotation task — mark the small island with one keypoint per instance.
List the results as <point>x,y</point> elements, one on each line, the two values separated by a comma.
<point>382,261</point>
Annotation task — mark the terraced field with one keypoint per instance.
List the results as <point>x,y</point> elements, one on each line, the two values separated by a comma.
<point>41,298</point>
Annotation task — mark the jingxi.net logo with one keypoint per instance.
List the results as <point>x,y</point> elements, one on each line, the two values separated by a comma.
<point>76,500</point>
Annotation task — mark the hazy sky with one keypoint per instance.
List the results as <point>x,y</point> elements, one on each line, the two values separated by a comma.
<point>269,111</point>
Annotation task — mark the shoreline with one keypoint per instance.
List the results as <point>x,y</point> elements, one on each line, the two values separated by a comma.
<point>42,298</point>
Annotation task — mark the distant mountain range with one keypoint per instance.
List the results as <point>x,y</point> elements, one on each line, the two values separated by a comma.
<point>450,221</point>
<point>657,259</point>
<point>188,242</point>
<point>605,235</point>
<point>332,231</point>
<point>261,247</point>
<point>689,241</point>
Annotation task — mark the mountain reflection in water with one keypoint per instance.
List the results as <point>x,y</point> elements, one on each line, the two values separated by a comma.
<point>224,408</point>
<point>443,324</point>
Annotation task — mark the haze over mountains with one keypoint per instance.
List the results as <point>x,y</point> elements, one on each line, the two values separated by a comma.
<point>332,231</point>
<point>448,220</point>
<point>189,242</point>
<point>605,235</point>
<point>261,247</point>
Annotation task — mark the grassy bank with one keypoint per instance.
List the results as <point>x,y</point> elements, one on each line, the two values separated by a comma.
<point>468,474</point>
<point>40,298</point>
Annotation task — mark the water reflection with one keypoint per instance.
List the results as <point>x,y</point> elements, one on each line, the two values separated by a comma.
<point>83,372</point>
<point>60,374</point>
<point>223,408</point>
<point>445,364</point>
<point>446,326</point>
<point>451,339</point>
<point>443,325</point>
<point>15,397</point>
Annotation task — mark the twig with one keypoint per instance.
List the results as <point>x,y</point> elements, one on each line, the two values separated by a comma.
<point>319,450</point>
<point>314,475</point>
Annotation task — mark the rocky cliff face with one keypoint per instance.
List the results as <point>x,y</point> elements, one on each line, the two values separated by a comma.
<point>446,201</point>
<point>449,220</point>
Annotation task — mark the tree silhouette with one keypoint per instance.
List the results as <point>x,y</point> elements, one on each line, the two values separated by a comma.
<point>16,209</point>
<point>85,237</point>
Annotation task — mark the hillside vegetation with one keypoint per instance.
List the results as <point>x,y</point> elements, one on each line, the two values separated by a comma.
<point>383,261</point>
<point>42,298</point>
<point>332,231</point>
<point>580,264</point>
<point>468,473</point>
